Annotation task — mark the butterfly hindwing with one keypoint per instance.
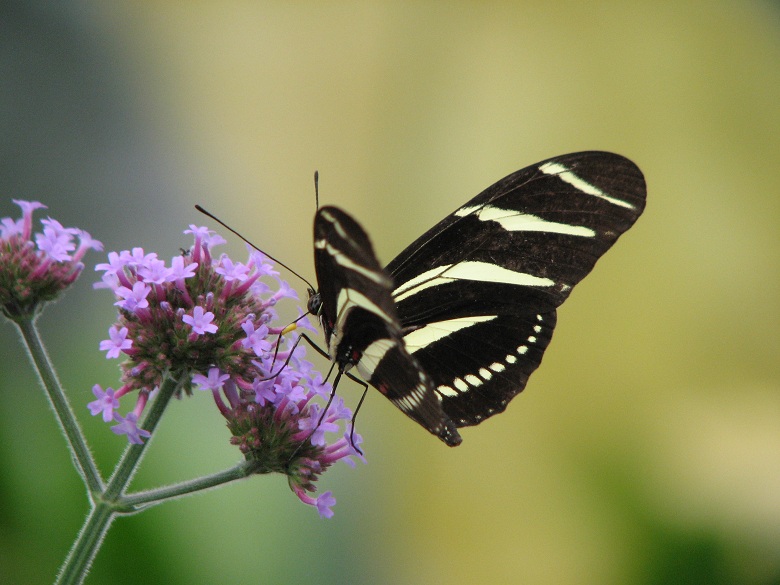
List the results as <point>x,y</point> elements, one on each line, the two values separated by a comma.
<point>478,364</point>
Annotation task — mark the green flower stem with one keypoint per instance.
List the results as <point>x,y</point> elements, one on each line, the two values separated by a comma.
<point>85,463</point>
<point>141,500</point>
<point>76,565</point>
<point>128,464</point>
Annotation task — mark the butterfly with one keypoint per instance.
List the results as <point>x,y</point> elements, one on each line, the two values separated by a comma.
<point>451,329</point>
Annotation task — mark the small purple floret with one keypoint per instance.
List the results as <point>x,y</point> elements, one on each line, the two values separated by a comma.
<point>106,403</point>
<point>116,343</point>
<point>128,425</point>
<point>200,321</point>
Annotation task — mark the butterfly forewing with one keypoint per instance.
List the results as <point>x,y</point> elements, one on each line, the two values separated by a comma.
<point>543,226</point>
<point>348,273</point>
<point>360,322</point>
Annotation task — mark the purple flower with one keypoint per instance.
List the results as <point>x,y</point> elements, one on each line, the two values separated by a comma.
<point>28,207</point>
<point>318,429</point>
<point>231,271</point>
<point>32,274</point>
<point>112,269</point>
<point>265,391</point>
<point>259,262</point>
<point>56,240</point>
<point>352,443</point>
<point>179,270</point>
<point>129,426</point>
<point>285,292</point>
<point>205,236</point>
<point>200,321</point>
<point>134,298</point>
<point>116,343</point>
<point>106,403</point>
<point>214,381</point>
<point>154,271</point>
<point>325,502</point>
<point>135,257</point>
<point>320,386</point>
<point>86,242</point>
<point>305,323</point>
<point>10,227</point>
<point>260,381</point>
<point>256,339</point>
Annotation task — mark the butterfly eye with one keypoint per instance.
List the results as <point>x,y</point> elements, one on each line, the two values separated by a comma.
<point>315,303</point>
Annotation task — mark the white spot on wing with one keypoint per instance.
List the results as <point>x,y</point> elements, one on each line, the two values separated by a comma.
<point>336,225</point>
<point>432,332</point>
<point>372,355</point>
<point>565,175</point>
<point>447,391</point>
<point>346,262</point>
<point>479,271</point>
<point>514,221</point>
<point>413,400</point>
<point>350,298</point>
<point>473,380</point>
<point>347,300</point>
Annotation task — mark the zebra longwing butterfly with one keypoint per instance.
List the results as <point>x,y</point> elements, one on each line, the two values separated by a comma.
<point>453,327</point>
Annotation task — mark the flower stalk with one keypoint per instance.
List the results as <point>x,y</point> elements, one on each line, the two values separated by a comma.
<point>82,457</point>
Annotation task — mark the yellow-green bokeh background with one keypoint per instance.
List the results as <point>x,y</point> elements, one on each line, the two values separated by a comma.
<point>647,447</point>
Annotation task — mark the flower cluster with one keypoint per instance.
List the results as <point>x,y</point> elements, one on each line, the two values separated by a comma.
<point>209,321</point>
<point>36,268</point>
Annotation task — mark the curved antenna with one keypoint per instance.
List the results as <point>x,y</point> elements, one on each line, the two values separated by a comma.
<point>317,189</point>
<point>227,227</point>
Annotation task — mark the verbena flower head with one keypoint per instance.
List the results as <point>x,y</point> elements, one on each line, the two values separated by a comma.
<point>36,267</point>
<point>209,321</point>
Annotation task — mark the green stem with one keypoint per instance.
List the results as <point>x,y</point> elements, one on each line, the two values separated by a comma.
<point>85,464</point>
<point>80,557</point>
<point>141,500</point>
<point>76,566</point>
<point>128,464</point>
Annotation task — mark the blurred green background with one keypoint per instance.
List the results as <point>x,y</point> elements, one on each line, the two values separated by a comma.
<point>647,447</point>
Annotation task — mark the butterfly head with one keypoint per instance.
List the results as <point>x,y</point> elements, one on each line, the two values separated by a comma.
<point>314,304</point>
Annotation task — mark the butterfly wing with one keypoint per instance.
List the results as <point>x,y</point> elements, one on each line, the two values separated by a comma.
<point>476,294</point>
<point>361,325</point>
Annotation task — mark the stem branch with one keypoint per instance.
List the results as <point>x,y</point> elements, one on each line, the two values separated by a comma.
<point>141,500</point>
<point>82,457</point>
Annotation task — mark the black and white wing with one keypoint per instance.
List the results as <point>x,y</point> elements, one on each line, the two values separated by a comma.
<point>358,316</point>
<point>476,294</point>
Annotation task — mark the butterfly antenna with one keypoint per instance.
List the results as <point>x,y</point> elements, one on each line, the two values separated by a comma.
<point>227,227</point>
<point>317,189</point>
